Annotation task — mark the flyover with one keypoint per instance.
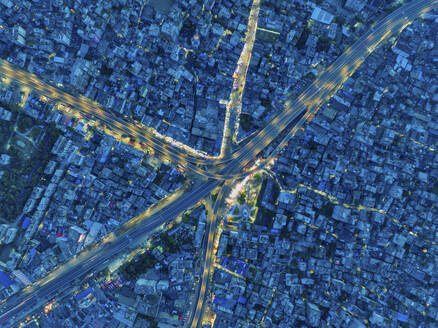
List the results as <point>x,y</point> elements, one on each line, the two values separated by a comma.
<point>207,258</point>
<point>392,24</point>
<point>84,107</point>
<point>307,104</point>
<point>136,134</point>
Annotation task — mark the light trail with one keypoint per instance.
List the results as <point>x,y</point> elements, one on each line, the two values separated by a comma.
<point>93,111</point>
<point>417,142</point>
<point>234,105</point>
<point>220,267</point>
<point>240,159</point>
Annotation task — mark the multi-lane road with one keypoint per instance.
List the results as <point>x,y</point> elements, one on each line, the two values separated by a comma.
<point>91,110</point>
<point>309,101</point>
<point>333,78</point>
<point>230,129</point>
<point>307,104</point>
<point>207,255</point>
<point>234,105</point>
<point>17,307</point>
<point>135,134</point>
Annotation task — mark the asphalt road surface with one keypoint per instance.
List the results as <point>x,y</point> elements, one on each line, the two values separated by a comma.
<point>19,305</point>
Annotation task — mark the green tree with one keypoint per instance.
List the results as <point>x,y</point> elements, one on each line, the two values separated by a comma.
<point>169,243</point>
<point>258,178</point>
<point>25,123</point>
<point>242,198</point>
<point>185,218</point>
<point>141,264</point>
<point>245,122</point>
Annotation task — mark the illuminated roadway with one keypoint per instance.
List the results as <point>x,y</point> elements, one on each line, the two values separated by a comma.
<point>232,114</point>
<point>328,82</point>
<point>331,80</point>
<point>93,111</point>
<point>17,306</point>
<point>141,136</point>
<point>23,302</point>
<point>310,100</point>
<point>110,123</point>
<point>207,254</point>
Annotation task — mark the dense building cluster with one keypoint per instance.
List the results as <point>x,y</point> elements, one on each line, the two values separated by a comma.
<point>164,64</point>
<point>343,230</point>
<point>152,289</point>
<point>88,188</point>
<point>347,232</point>
<point>297,40</point>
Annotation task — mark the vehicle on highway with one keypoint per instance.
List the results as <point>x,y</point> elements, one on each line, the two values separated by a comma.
<point>169,212</point>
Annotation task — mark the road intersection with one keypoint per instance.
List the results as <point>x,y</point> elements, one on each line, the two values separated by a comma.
<point>296,113</point>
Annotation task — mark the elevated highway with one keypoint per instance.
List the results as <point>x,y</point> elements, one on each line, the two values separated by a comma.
<point>301,109</point>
